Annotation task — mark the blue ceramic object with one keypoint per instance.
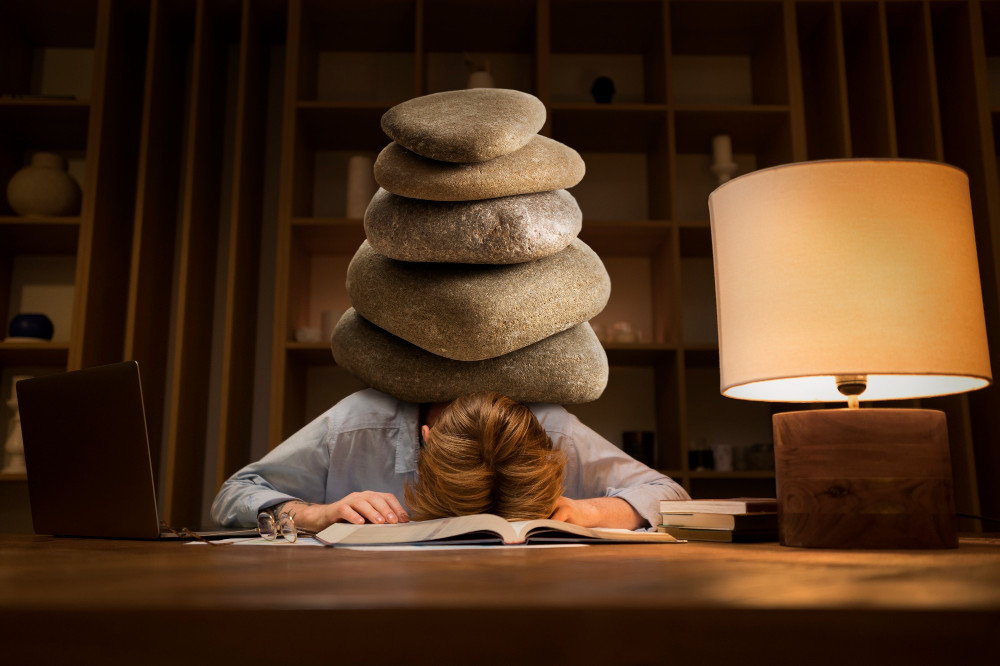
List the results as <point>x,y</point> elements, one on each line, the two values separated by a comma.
<point>31,325</point>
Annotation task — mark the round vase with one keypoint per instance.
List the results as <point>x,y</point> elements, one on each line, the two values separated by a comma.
<point>44,188</point>
<point>31,325</point>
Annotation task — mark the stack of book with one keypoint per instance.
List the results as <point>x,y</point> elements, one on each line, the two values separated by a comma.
<point>740,519</point>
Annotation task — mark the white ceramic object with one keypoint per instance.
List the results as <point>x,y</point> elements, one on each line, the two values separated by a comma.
<point>361,185</point>
<point>723,165</point>
<point>480,79</point>
<point>14,446</point>
<point>44,188</point>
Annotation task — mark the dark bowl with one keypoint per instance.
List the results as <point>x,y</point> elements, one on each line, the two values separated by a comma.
<point>31,325</point>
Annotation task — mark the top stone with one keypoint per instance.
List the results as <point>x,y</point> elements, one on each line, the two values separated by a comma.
<point>465,125</point>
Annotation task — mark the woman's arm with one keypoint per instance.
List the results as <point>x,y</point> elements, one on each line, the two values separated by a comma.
<point>357,508</point>
<point>296,469</point>
<point>598,471</point>
<point>599,512</point>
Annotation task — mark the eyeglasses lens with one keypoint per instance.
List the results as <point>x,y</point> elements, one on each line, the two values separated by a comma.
<point>287,528</point>
<point>266,527</point>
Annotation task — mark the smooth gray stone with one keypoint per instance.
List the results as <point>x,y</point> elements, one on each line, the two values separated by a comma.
<point>470,312</point>
<point>465,125</point>
<point>507,230</point>
<point>542,165</point>
<point>566,368</point>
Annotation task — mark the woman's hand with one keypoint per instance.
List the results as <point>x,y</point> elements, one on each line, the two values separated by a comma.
<point>598,512</point>
<point>357,508</point>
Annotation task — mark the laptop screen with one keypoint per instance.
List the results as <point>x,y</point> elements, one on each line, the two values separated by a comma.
<point>87,453</point>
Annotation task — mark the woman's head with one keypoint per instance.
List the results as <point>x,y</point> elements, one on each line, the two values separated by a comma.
<point>486,454</point>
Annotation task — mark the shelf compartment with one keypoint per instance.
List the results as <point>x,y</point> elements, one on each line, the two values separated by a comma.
<point>639,257</point>
<point>499,31</point>
<point>715,419</point>
<point>747,38</point>
<point>761,130</point>
<point>639,397</point>
<point>869,90</point>
<point>328,135</point>
<point>761,137</point>
<point>331,33</point>
<point>27,127</point>
<point>627,171</point>
<point>824,86</point>
<point>35,34</point>
<point>321,250</point>
<point>631,33</point>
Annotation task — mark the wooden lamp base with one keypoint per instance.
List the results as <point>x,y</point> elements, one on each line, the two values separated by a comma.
<point>864,478</point>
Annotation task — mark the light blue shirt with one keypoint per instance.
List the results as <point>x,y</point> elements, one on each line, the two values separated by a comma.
<point>370,441</point>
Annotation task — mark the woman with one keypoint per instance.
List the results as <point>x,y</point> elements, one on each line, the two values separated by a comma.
<point>482,453</point>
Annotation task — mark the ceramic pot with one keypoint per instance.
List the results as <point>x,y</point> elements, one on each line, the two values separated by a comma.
<point>603,90</point>
<point>44,188</point>
<point>31,325</point>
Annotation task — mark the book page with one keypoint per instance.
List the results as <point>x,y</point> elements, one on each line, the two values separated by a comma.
<point>418,531</point>
<point>527,528</point>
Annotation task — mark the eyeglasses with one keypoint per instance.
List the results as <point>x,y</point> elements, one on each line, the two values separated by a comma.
<point>269,529</point>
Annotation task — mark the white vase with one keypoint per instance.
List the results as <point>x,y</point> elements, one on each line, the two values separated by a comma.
<point>480,79</point>
<point>44,188</point>
<point>361,185</point>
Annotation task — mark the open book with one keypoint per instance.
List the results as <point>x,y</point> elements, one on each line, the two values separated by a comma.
<point>482,528</point>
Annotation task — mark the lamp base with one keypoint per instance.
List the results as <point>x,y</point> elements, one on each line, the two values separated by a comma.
<point>864,478</point>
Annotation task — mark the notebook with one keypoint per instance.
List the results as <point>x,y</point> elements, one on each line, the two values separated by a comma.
<point>87,452</point>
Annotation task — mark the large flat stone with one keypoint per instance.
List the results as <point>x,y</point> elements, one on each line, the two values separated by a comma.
<point>465,125</point>
<point>507,230</point>
<point>542,165</point>
<point>568,367</point>
<point>472,312</point>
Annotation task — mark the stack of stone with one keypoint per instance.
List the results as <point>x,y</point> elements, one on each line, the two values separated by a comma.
<point>472,276</point>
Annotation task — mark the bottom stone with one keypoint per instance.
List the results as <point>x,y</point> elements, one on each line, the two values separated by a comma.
<point>567,368</point>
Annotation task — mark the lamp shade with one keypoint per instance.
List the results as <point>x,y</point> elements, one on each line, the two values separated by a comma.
<point>848,267</point>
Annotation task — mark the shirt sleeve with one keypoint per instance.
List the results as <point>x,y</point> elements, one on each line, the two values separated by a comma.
<point>597,468</point>
<point>296,469</point>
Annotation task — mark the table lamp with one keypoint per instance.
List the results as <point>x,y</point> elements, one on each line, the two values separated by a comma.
<point>852,280</point>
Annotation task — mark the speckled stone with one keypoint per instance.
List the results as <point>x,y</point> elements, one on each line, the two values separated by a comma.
<point>507,230</point>
<point>542,165</point>
<point>469,312</point>
<point>566,368</point>
<point>465,125</point>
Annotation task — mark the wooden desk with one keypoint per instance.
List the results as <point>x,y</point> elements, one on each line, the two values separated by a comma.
<point>695,603</point>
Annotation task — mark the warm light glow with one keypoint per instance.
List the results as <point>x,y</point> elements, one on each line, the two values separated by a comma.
<point>880,387</point>
<point>847,267</point>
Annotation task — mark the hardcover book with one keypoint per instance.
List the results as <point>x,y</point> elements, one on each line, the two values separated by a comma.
<point>736,505</point>
<point>480,529</point>
<point>721,521</point>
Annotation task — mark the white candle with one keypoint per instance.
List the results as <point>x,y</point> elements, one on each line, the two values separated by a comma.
<point>361,185</point>
<point>722,149</point>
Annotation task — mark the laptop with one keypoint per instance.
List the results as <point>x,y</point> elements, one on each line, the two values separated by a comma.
<point>87,452</point>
